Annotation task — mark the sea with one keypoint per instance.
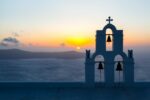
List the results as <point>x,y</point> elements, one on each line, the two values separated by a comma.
<point>60,70</point>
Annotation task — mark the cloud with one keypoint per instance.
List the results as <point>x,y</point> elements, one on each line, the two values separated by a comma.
<point>9,41</point>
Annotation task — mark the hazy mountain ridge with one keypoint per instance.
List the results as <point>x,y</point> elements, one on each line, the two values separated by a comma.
<point>21,54</point>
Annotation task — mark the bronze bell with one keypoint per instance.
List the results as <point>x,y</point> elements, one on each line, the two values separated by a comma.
<point>108,38</point>
<point>100,66</point>
<point>119,67</point>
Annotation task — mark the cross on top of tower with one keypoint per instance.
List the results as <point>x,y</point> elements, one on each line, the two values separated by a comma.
<point>109,19</point>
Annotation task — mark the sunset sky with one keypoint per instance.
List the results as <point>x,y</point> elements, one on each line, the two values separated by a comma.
<point>60,25</point>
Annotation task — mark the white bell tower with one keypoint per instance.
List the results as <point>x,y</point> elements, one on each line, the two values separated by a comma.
<point>111,64</point>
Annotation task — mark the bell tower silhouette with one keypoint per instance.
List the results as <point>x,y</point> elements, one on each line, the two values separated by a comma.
<point>111,64</point>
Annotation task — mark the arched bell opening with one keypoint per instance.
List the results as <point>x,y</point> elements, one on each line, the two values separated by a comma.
<point>118,69</point>
<point>99,68</point>
<point>109,39</point>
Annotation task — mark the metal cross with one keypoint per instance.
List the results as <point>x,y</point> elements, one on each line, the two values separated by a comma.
<point>109,19</point>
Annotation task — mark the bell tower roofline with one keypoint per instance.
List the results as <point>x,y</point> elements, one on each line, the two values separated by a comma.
<point>111,26</point>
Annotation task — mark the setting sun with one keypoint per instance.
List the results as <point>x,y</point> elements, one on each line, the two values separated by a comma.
<point>78,41</point>
<point>78,48</point>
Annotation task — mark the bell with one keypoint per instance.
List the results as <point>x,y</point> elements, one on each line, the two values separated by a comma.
<point>108,39</point>
<point>119,67</point>
<point>100,66</point>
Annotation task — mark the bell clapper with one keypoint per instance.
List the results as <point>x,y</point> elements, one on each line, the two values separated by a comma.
<point>119,68</point>
<point>100,67</point>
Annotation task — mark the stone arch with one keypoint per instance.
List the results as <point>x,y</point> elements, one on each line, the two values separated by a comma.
<point>118,57</point>
<point>110,26</point>
<point>99,58</point>
<point>94,56</point>
<point>124,56</point>
<point>109,31</point>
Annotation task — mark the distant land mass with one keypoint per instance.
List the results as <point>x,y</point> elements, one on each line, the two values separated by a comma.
<point>21,54</point>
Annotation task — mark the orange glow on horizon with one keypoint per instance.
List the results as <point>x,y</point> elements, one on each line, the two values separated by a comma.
<point>77,41</point>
